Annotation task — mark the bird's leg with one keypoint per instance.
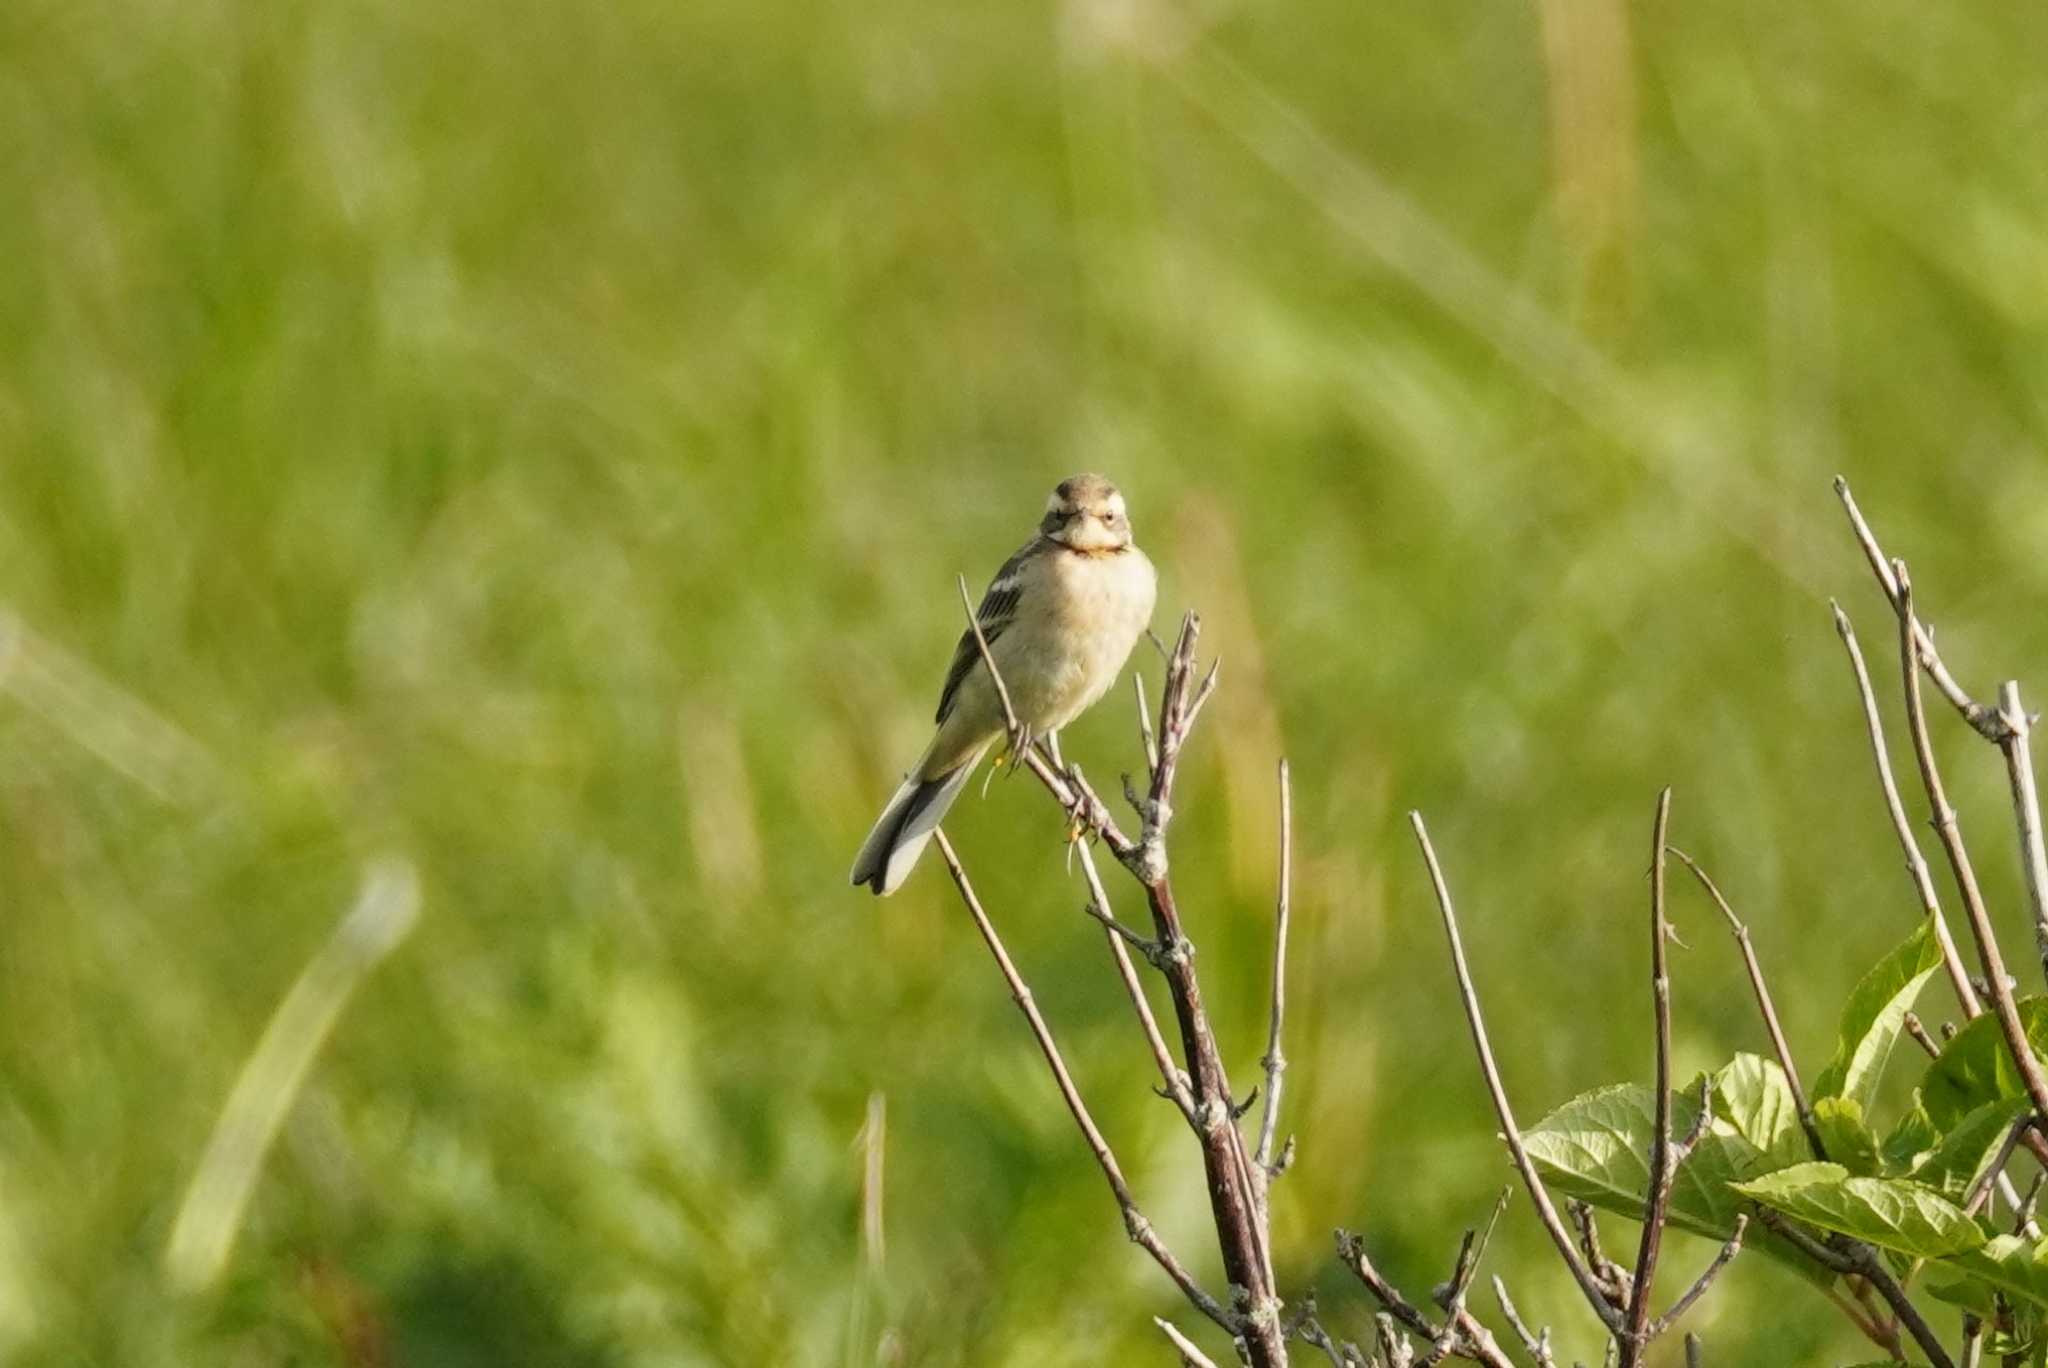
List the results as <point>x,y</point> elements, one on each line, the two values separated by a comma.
<point>1020,745</point>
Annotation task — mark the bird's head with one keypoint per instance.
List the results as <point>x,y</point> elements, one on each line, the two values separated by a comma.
<point>1086,513</point>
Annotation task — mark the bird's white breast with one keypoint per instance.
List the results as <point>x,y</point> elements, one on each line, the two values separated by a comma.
<point>1068,648</point>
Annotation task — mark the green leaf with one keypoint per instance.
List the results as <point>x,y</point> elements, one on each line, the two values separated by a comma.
<point>1848,1141</point>
<point>2006,1263</point>
<point>1974,1068</point>
<point>1967,1150</point>
<point>1891,1213</point>
<point>1752,1095</point>
<point>1596,1147</point>
<point>1911,1141</point>
<point>1874,1016</point>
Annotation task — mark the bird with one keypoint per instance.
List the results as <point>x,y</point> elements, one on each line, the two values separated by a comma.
<point>1060,618</point>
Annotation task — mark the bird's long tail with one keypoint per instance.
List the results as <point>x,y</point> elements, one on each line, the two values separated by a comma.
<point>906,826</point>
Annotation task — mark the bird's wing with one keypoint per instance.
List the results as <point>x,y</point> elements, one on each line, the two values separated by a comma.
<point>997,611</point>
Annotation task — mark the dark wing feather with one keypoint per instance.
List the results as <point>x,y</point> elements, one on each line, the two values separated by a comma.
<point>998,609</point>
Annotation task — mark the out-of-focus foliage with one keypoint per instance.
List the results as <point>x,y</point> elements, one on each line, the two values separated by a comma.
<point>539,441</point>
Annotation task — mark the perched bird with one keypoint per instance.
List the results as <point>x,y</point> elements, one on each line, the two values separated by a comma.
<point>1060,617</point>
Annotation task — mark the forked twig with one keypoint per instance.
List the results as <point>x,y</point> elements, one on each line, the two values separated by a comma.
<point>1135,1224</point>
<point>1944,816</point>
<point>1663,1168</point>
<point>1536,1345</point>
<point>1986,722</point>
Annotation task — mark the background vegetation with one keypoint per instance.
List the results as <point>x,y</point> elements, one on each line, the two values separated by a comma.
<point>540,440</point>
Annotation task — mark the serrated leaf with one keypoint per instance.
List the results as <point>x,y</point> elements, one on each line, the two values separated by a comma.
<point>1753,1096</point>
<point>1911,1141</point>
<point>1596,1147</point>
<point>1847,1140</point>
<point>1874,1017</point>
<point>1967,1150</point>
<point>2007,1263</point>
<point>1891,1213</point>
<point>1974,1068</point>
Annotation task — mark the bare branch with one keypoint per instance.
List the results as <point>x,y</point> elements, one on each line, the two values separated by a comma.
<point>1763,1002</point>
<point>1918,1031</point>
<point>1973,1341</point>
<point>1705,1280</point>
<point>1309,1330</point>
<point>1140,1229</point>
<point>1981,1190</point>
<point>1118,934</point>
<point>1452,1296</point>
<point>1511,1133</point>
<point>1843,1255</point>
<point>1275,1063</point>
<point>1461,1336</point>
<point>1351,1252</point>
<point>1233,1192</point>
<point>1190,1355</point>
<point>2026,809</point>
<point>1916,864</point>
<point>1944,815</point>
<point>1536,1345</point>
<point>1987,723</point>
<point>1145,737</point>
<point>2023,1207</point>
<point>1662,1168</point>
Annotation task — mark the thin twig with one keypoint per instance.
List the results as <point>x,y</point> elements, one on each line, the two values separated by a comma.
<point>1916,864</point>
<point>1275,1063</point>
<point>1695,1354</point>
<point>1841,1254</point>
<point>1118,934</point>
<point>1973,1341</point>
<point>2026,809</point>
<point>1763,1002</point>
<point>1980,1192</point>
<point>1917,1029</point>
<point>1461,1335</point>
<point>1944,816</point>
<point>1309,1330</point>
<point>1190,1355</point>
<point>2023,1209</point>
<point>1613,1277</point>
<point>1726,1256</point>
<point>1145,725</point>
<point>1987,723</point>
<point>1662,1168</point>
<point>1536,1345</point>
<point>1351,1253</point>
<point>1546,1210</point>
<point>1135,1223</point>
<point>1452,1297</point>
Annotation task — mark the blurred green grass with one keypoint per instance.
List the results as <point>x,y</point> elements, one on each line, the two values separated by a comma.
<point>541,441</point>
